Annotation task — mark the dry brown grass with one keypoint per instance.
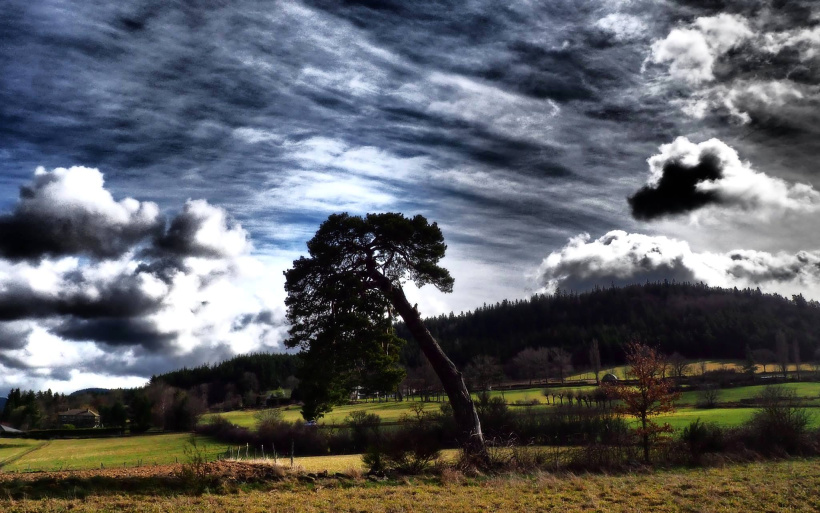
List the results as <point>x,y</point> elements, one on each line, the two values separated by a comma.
<point>771,486</point>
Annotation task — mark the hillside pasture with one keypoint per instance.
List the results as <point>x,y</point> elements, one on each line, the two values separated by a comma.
<point>392,411</point>
<point>89,453</point>
<point>696,368</point>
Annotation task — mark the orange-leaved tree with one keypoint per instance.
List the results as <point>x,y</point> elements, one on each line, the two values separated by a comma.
<point>647,394</point>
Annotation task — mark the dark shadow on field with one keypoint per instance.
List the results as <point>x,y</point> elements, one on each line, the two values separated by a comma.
<point>81,487</point>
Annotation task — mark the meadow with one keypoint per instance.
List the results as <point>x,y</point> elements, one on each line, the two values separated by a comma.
<point>79,454</point>
<point>729,413</point>
<point>22,455</point>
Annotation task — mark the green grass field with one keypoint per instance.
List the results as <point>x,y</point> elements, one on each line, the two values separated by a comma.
<point>111,452</point>
<point>24,455</point>
<point>733,395</point>
<point>392,410</point>
<point>694,368</point>
<point>13,448</point>
<point>388,411</point>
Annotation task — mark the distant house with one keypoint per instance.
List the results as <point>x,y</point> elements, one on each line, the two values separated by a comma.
<point>80,418</point>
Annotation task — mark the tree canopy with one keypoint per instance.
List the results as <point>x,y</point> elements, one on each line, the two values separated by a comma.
<point>341,317</point>
<point>341,304</point>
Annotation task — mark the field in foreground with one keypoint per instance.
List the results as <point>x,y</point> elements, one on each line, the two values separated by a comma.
<point>24,455</point>
<point>772,486</point>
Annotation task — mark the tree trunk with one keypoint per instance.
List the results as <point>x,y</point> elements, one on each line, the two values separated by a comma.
<point>451,379</point>
<point>645,441</point>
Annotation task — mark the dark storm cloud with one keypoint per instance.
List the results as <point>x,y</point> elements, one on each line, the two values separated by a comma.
<point>115,302</point>
<point>13,335</point>
<point>82,296</point>
<point>686,177</point>
<point>266,317</point>
<point>184,236</point>
<point>67,212</point>
<point>117,332</point>
<point>676,190</point>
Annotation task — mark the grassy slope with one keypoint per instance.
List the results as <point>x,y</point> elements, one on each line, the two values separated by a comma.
<point>13,448</point>
<point>89,453</point>
<point>694,368</point>
<point>392,411</point>
<point>388,411</point>
<point>772,486</point>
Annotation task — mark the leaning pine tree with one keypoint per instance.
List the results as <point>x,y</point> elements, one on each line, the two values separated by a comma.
<point>340,303</point>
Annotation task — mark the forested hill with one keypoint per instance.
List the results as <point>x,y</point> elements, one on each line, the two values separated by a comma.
<point>267,371</point>
<point>693,319</point>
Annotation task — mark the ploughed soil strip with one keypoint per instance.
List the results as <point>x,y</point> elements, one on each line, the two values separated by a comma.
<point>231,470</point>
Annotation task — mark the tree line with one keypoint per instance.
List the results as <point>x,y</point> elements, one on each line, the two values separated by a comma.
<point>694,320</point>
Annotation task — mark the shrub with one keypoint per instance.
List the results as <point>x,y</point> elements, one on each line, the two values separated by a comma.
<point>411,448</point>
<point>267,415</point>
<point>708,396</point>
<point>780,424</point>
<point>701,438</point>
<point>193,470</point>
<point>364,429</point>
<point>496,419</point>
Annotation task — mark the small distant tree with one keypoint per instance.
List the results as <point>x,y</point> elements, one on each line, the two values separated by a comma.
<point>140,413</point>
<point>531,363</point>
<point>708,396</point>
<point>782,350</point>
<point>483,372</point>
<point>678,365</point>
<point>764,357</point>
<point>750,364</point>
<point>595,360</point>
<point>796,357</point>
<point>114,416</point>
<point>562,361</point>
<point>817,359</point>
<point>649,396</point>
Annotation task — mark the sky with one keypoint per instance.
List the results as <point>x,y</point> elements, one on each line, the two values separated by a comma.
<point>162,162</point>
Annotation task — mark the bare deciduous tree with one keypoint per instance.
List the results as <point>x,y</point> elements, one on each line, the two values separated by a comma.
<point>782,350</point>
<point>483,372</point>
<point>562,361</point>
<point>531,363</point>
<point>678,365</point>
<point>764,357</point>
<point>648,396</point>
<point>595,360</point>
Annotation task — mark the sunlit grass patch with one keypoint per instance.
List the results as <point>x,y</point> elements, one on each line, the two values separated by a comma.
<point>110,452</point>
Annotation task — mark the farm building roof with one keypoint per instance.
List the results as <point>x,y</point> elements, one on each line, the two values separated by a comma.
<point>80,411</point>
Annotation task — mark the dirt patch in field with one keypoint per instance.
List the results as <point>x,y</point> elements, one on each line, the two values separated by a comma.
<point>231,470</point>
